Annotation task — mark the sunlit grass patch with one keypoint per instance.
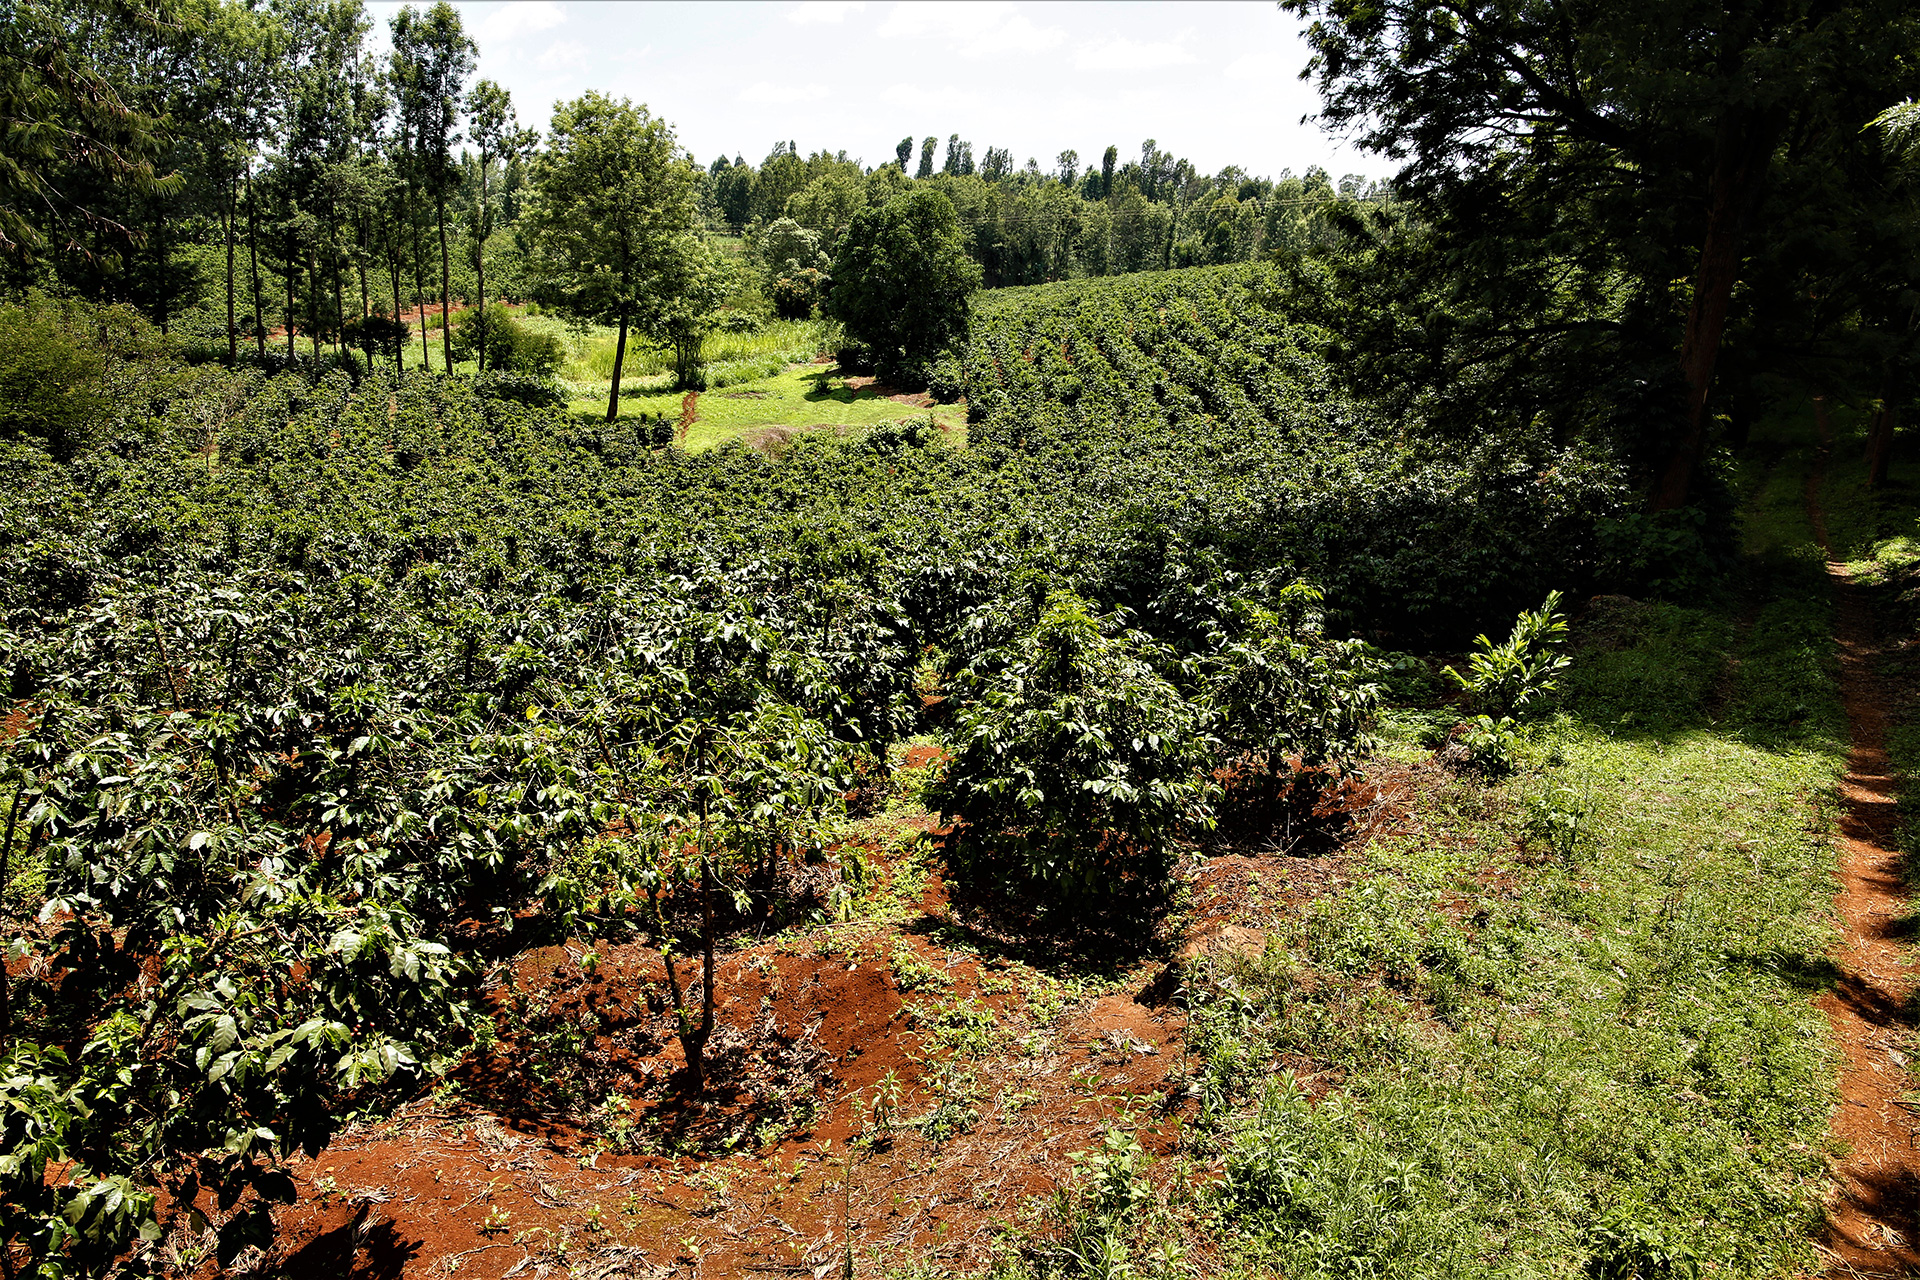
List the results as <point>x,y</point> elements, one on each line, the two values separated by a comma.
<point>768,409</point>
<point>1522,1046</point>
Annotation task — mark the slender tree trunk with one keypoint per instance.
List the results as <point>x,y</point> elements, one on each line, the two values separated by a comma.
<point>253,265</point>
<point>446,327</point>
<point>293,265</point>
<point>706,968</point>
<point>1880,434</point>
<point>160,268</point>
<point>313,306</point>
<point>420,291</point>
<point>619,358</point>
<point>480,267</point>
<point>6,866</point>
<point>366,305</point>
<point>233,329</point>
<point>399,343</point>
<point>1743,409</point>
<point>1743,151</point>
<point>340,313</point>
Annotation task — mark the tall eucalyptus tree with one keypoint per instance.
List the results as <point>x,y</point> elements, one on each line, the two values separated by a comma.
<point>431,61</point>
<point>498,137</point>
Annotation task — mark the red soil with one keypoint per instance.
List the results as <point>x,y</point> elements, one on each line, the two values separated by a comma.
<point>498,1181</point>
<point>876,389</point>
<point>1874,1220</point>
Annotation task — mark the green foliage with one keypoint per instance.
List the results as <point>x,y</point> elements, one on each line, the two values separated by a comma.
<point>1077,763</point>
<point>797,295</point>
<point>901,280</point>
<point>1507,678</point>
<point>1485,745</point>
<point>64,366</point>
<point>48,378</point>
<point>1409,538</point>
<point>1623,1249</point>
<point>1282,691</point>
<point>511,346</point>
<point>614,227</point>
<point>1559,818</point>
<point>376,335</point>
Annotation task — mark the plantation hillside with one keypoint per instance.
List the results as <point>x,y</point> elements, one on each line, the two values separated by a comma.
<point>1195,400</point>
<point>324,677</point>
<point>577,711</point>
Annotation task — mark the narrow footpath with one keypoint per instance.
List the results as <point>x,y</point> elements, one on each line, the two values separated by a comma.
<point>1874,1220</point>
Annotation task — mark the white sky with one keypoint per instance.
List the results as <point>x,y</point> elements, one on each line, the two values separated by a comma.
<point>1215,83</point>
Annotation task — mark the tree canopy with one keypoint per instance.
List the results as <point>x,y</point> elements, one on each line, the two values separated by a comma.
<point>615,228</point>
<point>1615,149</point>
<point>901,283</point>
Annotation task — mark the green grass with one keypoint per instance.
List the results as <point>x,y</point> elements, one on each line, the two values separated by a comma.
<point>1517,1060</point>
<point>762,386</point>
<point>796,399</point>
<point>729,357</point>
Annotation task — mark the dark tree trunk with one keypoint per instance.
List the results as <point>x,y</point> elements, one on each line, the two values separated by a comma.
<point>694,1036</point>
<point>253,265</point>
<point>1886,421</point>
<point>1742,152</point>
<point>339,313</point>
<point>619,358</point>
<point>233,329</point>
<point>366,302</point>
<point>706,971</point>
<point>399,343</point>
<point>446,327</point>
<point>293,265</point>
<point>160,269</point>
<point>480,270</point>
<point>420,290</point>
<point>313,306</point>
<point>6,866</point>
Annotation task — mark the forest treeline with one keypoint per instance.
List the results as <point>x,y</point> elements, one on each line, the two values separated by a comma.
<point>236,170</point>
<point>1628,225</point>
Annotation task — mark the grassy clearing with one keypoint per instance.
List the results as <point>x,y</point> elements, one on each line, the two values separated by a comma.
<point>730,357</point>
<point>1561,1023</point>
<point>796,399</point>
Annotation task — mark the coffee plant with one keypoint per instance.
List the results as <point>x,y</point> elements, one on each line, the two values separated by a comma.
<point>318,686</point>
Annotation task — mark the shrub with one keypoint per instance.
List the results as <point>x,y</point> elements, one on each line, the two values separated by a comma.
<point>908,433</point>
<point>1286,692</point>
<point>1482,745</point>
<point>946,380</point>
<point>376,335</point>
<point>512,347</point>
<point>536,392</point>
<point>1291,707</point>
<point>1503,679</point>
<point>798,294</point>
<point>1077,763</point>
<point>48,377</point>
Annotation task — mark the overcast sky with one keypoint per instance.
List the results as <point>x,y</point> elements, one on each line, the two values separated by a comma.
<point>1216,83</point>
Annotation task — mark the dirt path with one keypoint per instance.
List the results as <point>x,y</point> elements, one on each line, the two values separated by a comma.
<point>1874,1221</point>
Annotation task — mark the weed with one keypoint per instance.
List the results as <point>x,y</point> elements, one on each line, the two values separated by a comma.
<point>1504,679</point>
<point>883,1104</point>
<point>1558,817</point>
<point>956,1093</point>
<point>967,1028</point>
<point>912,971</point>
